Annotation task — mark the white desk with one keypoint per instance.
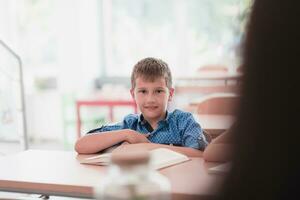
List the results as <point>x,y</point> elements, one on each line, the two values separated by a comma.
<point>59,173</point>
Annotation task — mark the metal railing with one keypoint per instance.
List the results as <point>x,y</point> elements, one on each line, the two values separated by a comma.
<point>24,140</point>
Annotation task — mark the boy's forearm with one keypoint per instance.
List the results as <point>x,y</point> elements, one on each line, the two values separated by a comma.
<point>94,143</point>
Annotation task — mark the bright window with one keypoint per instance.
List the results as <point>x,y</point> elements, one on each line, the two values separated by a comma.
<point>186,34</point>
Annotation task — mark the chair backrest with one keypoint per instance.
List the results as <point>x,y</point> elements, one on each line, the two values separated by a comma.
<point>207,136</point>
<point>219,103</point>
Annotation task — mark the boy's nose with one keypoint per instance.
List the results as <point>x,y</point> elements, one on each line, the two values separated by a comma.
<point>150,97</point>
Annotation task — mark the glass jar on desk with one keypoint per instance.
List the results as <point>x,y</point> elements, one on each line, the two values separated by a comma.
<point>131,177</point>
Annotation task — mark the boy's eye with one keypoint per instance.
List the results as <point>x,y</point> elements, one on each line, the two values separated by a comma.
<point>142,91</point>
<point>159,91</point>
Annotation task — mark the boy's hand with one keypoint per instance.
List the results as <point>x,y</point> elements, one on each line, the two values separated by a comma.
<point>135,137</point>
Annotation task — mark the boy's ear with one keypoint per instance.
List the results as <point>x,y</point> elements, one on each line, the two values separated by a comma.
<point>171,93</point>
<point>132,93</point>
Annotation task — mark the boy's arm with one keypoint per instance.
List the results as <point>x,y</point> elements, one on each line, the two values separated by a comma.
<point>93,143</point>
<point>149,146</point>
<point>192,135</point>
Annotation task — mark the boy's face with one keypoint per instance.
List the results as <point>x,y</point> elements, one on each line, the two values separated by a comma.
<point>152,98</point>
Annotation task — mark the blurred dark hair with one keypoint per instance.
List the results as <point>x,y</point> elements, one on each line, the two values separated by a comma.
<point>265,163</point>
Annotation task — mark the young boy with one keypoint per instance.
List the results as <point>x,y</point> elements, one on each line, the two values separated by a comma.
<point>151,88</point>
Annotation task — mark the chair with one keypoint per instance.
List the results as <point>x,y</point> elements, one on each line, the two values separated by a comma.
<point>223,104</point>
<point>208,136</point>
<point>218,103</point>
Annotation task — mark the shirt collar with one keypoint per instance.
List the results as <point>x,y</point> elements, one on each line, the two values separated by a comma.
<point>142,120</point>
<point>168,116</point>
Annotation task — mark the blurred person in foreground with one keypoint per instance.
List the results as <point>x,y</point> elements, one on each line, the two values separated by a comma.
<point>265,162</point>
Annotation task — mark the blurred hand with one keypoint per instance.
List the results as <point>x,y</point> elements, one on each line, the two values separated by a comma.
<point>134,137</point>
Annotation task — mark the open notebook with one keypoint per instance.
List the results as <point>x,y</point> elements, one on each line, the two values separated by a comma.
<point>160,158</point>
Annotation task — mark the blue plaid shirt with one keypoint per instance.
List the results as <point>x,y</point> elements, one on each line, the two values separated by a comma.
<point>178,128</point>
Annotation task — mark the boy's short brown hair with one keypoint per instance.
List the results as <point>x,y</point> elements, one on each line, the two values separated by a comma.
<point>150,69</point>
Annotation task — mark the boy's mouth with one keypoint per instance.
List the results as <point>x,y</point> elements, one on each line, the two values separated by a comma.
<point>150,107</point>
